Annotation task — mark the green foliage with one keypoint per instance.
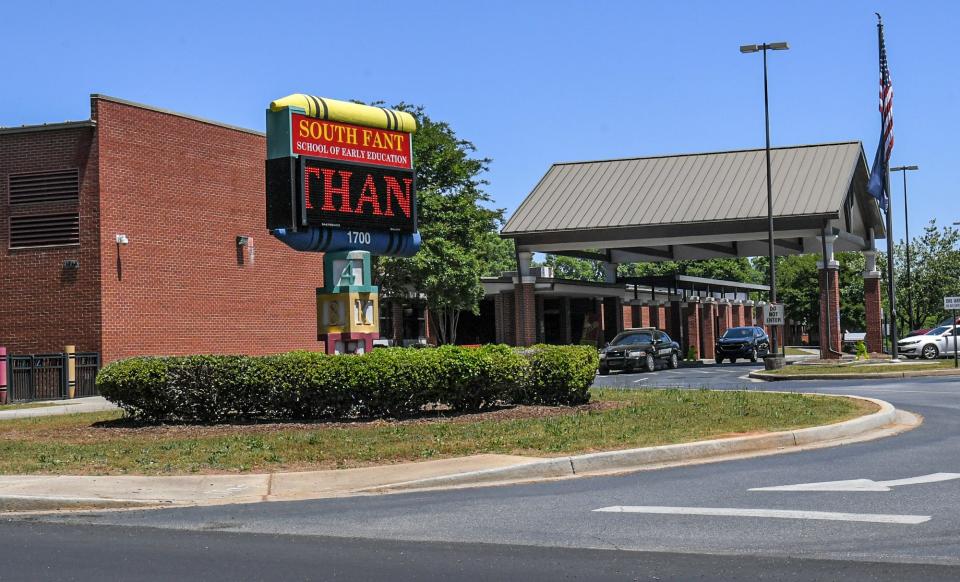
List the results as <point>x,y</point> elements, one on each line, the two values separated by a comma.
<point>798,287</point>
<point>934,274</point>
<point>574,269</point>
<point>384,383</point>
<point>459,232</point>
<point>739,269</point>
<point>691,354</point>
<point>559,374</point>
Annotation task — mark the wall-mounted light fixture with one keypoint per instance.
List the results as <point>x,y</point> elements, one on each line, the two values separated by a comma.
<point>122,239</point>
<point>71,264</point>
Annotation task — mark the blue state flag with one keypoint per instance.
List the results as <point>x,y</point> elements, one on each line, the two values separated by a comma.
<point>877,185</point>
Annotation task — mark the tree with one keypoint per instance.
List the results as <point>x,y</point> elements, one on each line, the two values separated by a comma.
<point>574,269</point>
<point>500,255</point>
<point>934,274</point>
<point>459,232</point>
<point>798,288</point>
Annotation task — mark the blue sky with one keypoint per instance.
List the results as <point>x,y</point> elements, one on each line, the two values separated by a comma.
<point>530,83</point>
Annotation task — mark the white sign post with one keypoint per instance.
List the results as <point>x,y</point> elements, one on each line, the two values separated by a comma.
<point>773,314</point>
<point>952,304</point>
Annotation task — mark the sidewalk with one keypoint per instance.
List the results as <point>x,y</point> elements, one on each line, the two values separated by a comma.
<point>71,406</point>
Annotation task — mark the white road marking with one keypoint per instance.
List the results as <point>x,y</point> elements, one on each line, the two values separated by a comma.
<point>640,380</point>
<point>772,513</point>
<point>862,484</point>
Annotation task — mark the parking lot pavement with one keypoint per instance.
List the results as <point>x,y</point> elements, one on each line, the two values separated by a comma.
<point>711,375</point>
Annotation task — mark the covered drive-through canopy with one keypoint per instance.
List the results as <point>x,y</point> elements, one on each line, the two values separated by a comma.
<point>700,206</point>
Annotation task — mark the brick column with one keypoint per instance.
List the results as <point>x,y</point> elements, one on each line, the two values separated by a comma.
<point>830,280</point>
<point>427,331</point>
<point>396,315</point>
<point>726,315</point>
<point>645,316</point>
<point>658,316</point>
<point>525,314</point>
<point>829,275</point>
<point>872,303</point>
<point>737,314</point>
<point>692,321</point>
<point>627,315</point>
<point>709,335</point>
<point>748,313</point>
<point>509,330</point>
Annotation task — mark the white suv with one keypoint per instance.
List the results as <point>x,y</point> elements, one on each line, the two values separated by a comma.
<point>939,341</point>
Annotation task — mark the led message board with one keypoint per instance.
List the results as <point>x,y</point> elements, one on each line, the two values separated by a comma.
<point>354,196</point>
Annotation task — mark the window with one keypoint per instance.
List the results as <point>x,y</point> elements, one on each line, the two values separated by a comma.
<point>634,338</point>
<point>44,230</point>
<point>54,186</point>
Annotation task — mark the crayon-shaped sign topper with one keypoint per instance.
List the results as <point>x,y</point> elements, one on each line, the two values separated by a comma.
<point>346,112</point>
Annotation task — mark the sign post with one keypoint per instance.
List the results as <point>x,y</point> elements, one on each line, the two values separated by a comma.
<point>952,304</point>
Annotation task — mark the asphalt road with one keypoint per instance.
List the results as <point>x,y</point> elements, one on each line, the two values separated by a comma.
<point>904,530</point>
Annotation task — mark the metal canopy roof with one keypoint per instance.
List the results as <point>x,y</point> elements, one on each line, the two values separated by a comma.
<point>697,206</point>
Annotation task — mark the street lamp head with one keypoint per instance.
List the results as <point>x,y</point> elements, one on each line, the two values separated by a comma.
<point>749,48</point>
<point>778,46</point>
<point>902,168</point>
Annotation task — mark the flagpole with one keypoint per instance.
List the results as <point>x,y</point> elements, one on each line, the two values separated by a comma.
<point>891,280</point>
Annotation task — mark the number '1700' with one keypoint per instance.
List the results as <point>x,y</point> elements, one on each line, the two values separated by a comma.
<point>358,237</point>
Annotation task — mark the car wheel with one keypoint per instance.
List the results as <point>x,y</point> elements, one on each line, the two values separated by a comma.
<point>673,362</point>
<point>719,360</point>
<point>753,355</point>
<point>929,352</point>
<point>733,360</point>
<point>604,371</point>
<point>651,363</point>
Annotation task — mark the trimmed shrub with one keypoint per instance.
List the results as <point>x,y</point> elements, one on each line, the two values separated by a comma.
<point>390,382</point>
<point>560,374</point>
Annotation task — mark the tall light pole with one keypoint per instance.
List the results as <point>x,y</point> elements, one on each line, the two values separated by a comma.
<point>752,48</point>
<point>906,223</point>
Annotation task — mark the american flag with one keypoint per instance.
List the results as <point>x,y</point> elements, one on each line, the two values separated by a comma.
<point>877,186</point>
<point>886,101</point>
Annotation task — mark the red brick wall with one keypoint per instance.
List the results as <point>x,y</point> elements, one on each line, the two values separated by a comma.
<point>43,306</point>
<point>182,190</point>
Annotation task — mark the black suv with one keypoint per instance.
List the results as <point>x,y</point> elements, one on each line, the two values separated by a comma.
<point>748,343</point>
<point>639,349</point>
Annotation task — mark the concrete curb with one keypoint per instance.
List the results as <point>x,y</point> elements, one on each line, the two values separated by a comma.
<point>636,459</point>
<point>879,375</point>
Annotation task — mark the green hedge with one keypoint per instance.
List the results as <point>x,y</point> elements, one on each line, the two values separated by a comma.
<point>385,383</point>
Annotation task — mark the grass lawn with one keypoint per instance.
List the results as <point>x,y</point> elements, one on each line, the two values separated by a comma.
<point>864,369</point>
<point>105,443</point>
<point>25,405</point>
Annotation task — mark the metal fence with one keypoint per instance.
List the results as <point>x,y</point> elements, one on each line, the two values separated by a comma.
<point>45,376</point>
